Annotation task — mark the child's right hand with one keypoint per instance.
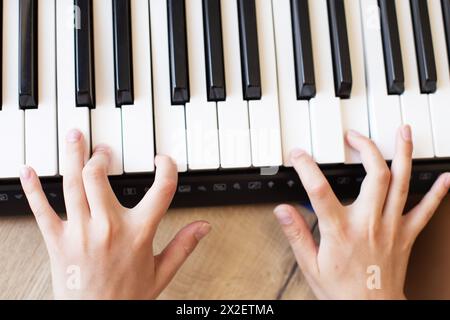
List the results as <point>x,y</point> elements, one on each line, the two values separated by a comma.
<point>364,247</point>
<point>103,250</point>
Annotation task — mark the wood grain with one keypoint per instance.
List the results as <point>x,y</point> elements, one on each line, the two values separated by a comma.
<point>24,265</point>
<point>246,256</point>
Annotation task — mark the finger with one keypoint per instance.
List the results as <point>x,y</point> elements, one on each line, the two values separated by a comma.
<point>170,260</point>
<point>74,194</point>
<point>419,216</point>
<point>99,193</point>
<point>400,175</point>
<point>157,200</point>
<point>322,197</point>
<point>299,236</point>
<point>376,183</point>
<point>48,221</point>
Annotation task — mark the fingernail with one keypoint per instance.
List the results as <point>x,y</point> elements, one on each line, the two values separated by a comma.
<point>102,148</point>
<point>406,133</point>
<point>73,136</point>
<point>201,232</point>
<point>297,153</point>
<point>284,217</point>
<point>353,134</point>
<point>25,173</point>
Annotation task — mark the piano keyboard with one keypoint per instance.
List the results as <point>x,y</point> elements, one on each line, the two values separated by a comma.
<point>227,88</point>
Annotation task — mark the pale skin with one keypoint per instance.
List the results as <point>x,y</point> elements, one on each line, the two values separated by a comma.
<point>110,245</point>
<point>373,231</point>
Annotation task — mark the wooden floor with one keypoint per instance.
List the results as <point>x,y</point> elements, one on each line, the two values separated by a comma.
<point>245,257</point>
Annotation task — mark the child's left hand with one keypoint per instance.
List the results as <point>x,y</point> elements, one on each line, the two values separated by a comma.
<point>103,250</point>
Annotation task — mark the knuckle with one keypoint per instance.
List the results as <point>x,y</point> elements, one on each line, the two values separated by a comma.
<point>142,241</point>
<point>435,198</point>
<point>144,237</point>
<point>185,246</point>
<point>406,245</point>
<point>319,190</point>
<point>409,149</point>
<point>295,235</point>
<point>378,234</point>
<point>383,175</point>
<point>106,234</point>
<point>93,172</point>
<point>367,145</point>
<point>403,187</point>
<point>372,149</point>
<point>71,183</point>
<point>408,145</point>
<point>40,210</point>
<point>30,188</point>
<point>373,232</point>
<point>167,186</point>
<point>371,145</point>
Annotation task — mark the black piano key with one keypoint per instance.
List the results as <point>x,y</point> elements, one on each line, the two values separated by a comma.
<point>424,46</point>
<point>340,49</point>
<point>28,64</point>
<point>303,54</point>
<point>445,4</point>
<point>391,47</point>
<point>84,55</point>
<point>179,67</point>
<point>248,35</point>
<point>123,58</point>
<point>215,70</point>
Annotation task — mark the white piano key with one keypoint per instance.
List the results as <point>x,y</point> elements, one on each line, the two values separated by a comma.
<point>384,110</point>
<point>414,104</point>
<point>137,119</point>
<point>354,110</point>
<point>106,121</point>
<point>264,114</point>
<point>325,110</point>
<point>170,129</point>
<point>440,100</point>
<point>201,115</point>
<point>234,133</point>
<point>294,114</point>
<point>69,115</point>
<point>40,124</point>
<point>11,117</point>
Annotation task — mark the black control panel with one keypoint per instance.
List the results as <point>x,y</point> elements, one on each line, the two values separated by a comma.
<point>224,187</point>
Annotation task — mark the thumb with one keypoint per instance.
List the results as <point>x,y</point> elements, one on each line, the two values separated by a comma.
<point>299,236</point>
<point>170,260</point>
